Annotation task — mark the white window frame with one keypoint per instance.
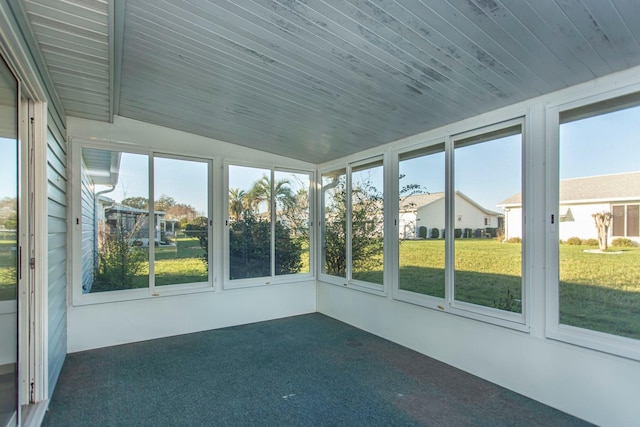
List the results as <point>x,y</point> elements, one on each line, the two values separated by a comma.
<point>517,321</point>
<point>273,279</point>
<point>424,300</point>
<point>348,281</point>
<point>595,340</point>
<point>75,225</point>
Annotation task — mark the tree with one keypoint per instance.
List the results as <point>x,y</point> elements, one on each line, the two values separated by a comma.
<point>261,193</point>
<point>198,228</point>
<point>181,211</point>
<point>136,202</point>
<point>237,199</point>
<point>164,203</point>
<point>9,213</point>
<point>366,230</point>
<point>602,221</point>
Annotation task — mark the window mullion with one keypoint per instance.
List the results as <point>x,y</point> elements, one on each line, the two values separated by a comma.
<point>348,226</point>
<point>449,262</point>
<point>152,225</point>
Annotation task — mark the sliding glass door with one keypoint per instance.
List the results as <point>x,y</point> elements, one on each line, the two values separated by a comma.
<point>8,246</point>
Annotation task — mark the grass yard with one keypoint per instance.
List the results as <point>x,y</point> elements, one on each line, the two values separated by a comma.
<point>597,291</point>
<point>182,263</point>
<point>7,270</point>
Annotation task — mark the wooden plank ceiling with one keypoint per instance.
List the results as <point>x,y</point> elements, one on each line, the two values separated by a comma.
<point>319,79</point>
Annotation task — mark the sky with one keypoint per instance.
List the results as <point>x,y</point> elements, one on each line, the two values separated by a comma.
<point>490,172</point>
<point>487,172</point>
<point>8,168</point>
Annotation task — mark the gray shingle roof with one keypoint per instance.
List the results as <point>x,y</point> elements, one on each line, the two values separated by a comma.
<point>613,187</point>
<point>416,201</point>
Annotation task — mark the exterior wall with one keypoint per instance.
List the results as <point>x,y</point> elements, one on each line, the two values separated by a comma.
<point>577,223</point>
<point>512,223</point>
<point>408,228</point>
<point>88,221</point>
<point>57,255</point>
<point>433,216</point>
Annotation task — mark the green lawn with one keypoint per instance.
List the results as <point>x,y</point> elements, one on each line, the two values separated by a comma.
<point>597,291</point>
<point>7,270</point>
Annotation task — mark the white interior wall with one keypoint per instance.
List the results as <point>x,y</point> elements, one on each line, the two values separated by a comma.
<point>594,386</point>
<point>103,325</point>
<point>111,323</point>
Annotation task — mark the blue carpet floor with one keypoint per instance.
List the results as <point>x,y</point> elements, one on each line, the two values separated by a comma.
<point>301,371</point>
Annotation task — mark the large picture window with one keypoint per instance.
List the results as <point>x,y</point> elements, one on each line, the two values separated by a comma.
<point>353,223</point>
<point>488,178</point>
<point>128,242</point>
<point>599,253</point>
<point>421,195</point>
<point>269,222</point>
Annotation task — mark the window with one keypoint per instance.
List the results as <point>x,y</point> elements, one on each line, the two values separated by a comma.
<point>119,226</point>
<point>487,173</point>
<point>421,195</point>
<point>598,256</point>
<point>353,225</point>
<point>268,220</point>
<point>181,221</point>
<point>625,222</point>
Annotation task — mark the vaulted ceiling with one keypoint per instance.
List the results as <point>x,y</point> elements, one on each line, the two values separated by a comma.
<point>320,79</point>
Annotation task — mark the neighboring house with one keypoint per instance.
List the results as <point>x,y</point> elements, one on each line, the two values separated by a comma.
<point>580,198</point>
<point>427,210</point>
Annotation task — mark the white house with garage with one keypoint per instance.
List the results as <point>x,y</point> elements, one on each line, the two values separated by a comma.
<point>580,198</point>
<point>428,210</point>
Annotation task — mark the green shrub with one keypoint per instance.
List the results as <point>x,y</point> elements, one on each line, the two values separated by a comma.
<point>590,242</point>
<point>120,259</point>
<point>457,233</point>
<point>622,243</point>
<point>422,232</point>
<point>491,231</point>
<point>467,233</point>
<point>576,241</point>
<point>514,240</point>
<point>435,233</point>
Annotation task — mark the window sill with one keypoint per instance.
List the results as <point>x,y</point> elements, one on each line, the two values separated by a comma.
<point>488,315</point>
<point>140,294</point>
<point>354,284</point>
<point>599,341</point>
<point>266,281</point>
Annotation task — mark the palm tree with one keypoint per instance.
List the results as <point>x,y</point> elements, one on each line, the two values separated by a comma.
<point>261,193</point>
<point>236,203</point>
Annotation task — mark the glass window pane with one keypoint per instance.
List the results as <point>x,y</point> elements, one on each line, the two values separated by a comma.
<point>367,223</point>
<point>599,255</point>
<point>421,221</point>
<point>181,199</point>
<point>291,192</point>
<point>334,230</point>
<point>249,222</point>
<point>9,160</point>
<point>488,202</point>
<point>115,220</point>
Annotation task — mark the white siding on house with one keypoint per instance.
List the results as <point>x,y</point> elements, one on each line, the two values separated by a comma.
<point>57,255</point>
<point>88,222</point>
<point>577,221</point>
<point>433,216</point>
